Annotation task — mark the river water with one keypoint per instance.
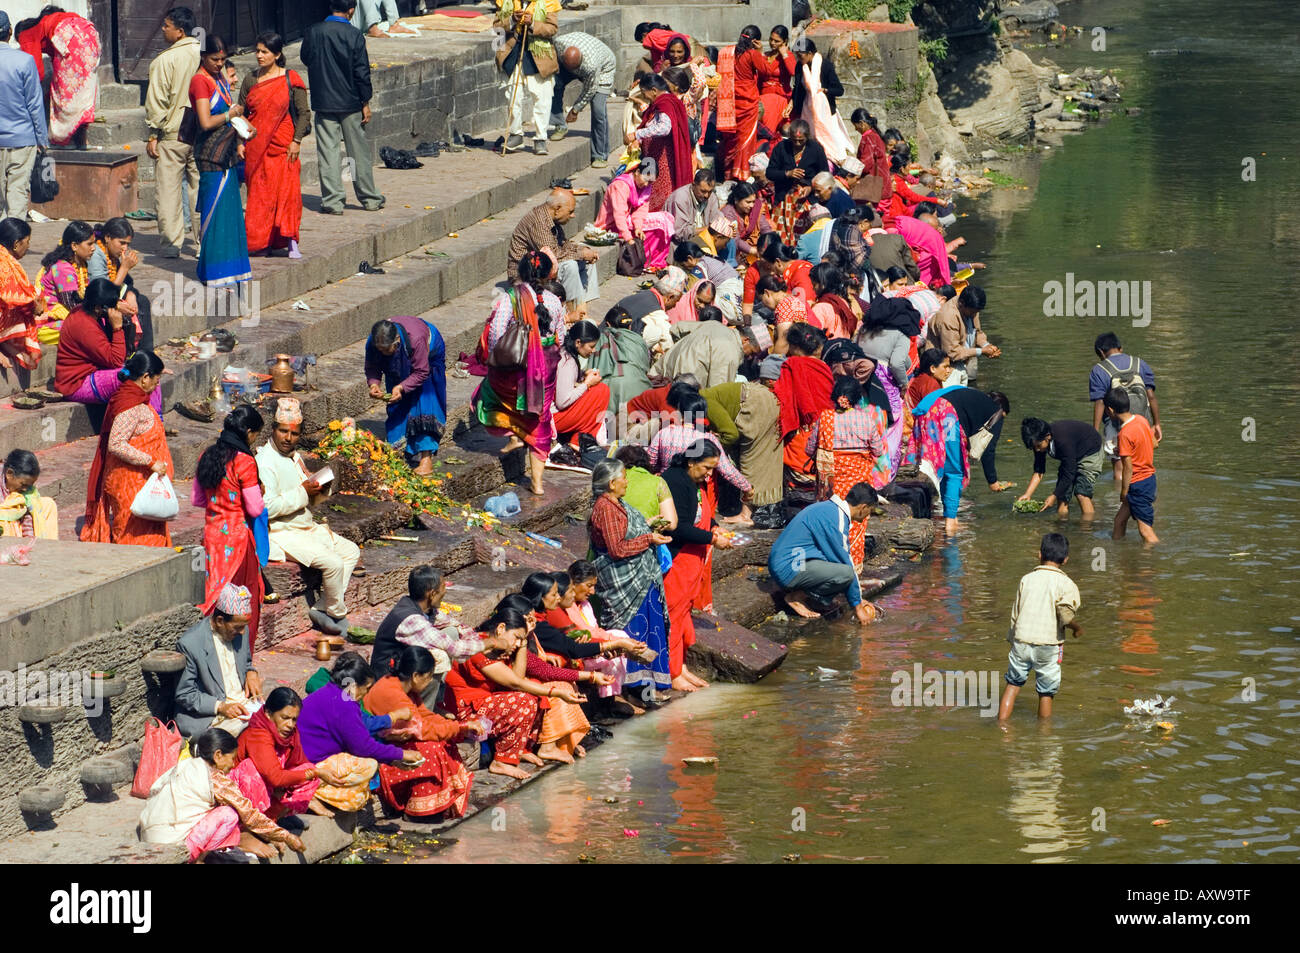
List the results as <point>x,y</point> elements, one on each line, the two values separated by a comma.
<point>817,761</point>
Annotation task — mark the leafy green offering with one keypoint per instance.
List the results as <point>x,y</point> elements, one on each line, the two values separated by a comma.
<point>1028,506</point>
<point>360,635</point>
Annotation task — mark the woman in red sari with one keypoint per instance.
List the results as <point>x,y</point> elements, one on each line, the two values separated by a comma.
<point>441,783</point>
<point>132,447</point>
<point>665,136</point>
<point>226,486</point>
<point>581,398</point>
<point>742,69</point>
<point>688,584</point>
<point>803,389</point>
<point>872,152</point>
<point>777,88</point>
<point>275,102</point>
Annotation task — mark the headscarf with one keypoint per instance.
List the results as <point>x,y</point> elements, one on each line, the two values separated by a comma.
<point>290,747</point>
<point>846,359</point>
<point>803,389</point>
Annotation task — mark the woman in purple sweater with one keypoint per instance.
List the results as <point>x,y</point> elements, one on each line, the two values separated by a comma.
<point>332,728</point>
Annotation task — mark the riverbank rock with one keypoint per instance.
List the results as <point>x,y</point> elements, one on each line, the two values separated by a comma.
<point>911,534</point>
<point>727,652</point>
<point>1033,12</point>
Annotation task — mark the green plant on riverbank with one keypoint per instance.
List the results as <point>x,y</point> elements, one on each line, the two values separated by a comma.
<point>861,9</point>
<point>1002,179</point>
<point>934,51</point>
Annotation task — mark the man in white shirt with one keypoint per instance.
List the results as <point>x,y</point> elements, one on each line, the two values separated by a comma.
<point>294,533</point>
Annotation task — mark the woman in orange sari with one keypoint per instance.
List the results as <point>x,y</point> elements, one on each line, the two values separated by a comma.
<point>275,100</point>
<point>742,68</point>
<point>132,447</point>
<point>20,303</point>
<point>440,783</point>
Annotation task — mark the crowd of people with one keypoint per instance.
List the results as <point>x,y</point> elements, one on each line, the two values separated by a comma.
<point>806,341</point>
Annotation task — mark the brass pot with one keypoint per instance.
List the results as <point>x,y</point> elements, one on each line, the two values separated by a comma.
<point>282,375</point>
<point>323,650</point>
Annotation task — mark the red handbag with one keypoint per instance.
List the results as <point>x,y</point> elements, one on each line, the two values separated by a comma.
<point>161,752</point>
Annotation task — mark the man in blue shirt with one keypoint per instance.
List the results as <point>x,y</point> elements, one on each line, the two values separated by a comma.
<point>22,123</point>
<point>1131,374</point>
<point>811,561</point>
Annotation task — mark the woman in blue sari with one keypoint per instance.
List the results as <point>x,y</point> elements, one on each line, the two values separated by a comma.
<point>218,150</point>
<point>411,358</point>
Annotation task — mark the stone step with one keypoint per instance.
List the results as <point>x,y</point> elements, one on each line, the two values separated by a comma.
<point>450,194</point>
<point>114,96</point>
<point>116,127</point>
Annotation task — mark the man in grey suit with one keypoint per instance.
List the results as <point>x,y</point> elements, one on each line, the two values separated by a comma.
<point>219,686</point>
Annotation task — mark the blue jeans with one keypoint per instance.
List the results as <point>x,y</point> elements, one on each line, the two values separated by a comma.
<point>599,115</point>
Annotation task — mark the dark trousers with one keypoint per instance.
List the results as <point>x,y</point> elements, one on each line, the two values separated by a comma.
<point>599,115</point>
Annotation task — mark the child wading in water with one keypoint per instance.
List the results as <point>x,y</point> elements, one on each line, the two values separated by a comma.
<point>1136,449</point>
<point>1046,603</point>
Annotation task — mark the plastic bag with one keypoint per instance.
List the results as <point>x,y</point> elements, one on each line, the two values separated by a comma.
<point>160,753</point>
<point>665,557</point>
<point>156,500</point>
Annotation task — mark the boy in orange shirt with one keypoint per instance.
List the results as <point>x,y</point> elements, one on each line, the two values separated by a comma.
<point>1136,448</point>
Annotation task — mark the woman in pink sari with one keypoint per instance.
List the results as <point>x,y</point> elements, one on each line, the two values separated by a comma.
<point>73,46</point>
<point>517,399</point>
<point>275,101</point>
<point>625,211</point>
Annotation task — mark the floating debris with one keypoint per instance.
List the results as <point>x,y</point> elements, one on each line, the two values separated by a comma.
<point>1151,706</point>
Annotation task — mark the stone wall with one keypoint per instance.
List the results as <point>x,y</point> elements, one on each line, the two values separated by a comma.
<point>53,754</point>
<point>461,87</point>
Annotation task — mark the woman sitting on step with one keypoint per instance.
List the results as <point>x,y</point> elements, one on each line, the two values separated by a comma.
<point>491,685</point>
<point>94,343</point>
<point>23,511</point>
<point>272,744</point>
<point>517,393</point>
<point>581,398</point>
<point>211,805</point>
<point>547,675</point>
<point>113,258</point>
<point>336,735</point>
<point>63,278</point>
<point>440,784</point>
<point>21,305</point>
<point>132,448</point>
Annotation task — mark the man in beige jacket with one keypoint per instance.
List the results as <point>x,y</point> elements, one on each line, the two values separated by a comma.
<point>164,105</point>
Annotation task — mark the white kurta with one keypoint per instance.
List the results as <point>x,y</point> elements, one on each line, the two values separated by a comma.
<point>295,535</point>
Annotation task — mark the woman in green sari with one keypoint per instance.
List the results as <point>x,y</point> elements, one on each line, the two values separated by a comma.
<point>622,357</point>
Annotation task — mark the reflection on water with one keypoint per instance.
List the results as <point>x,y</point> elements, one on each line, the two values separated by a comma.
<point>819,764</point>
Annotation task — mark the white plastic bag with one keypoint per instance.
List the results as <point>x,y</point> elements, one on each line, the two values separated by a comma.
<point>156,500</point>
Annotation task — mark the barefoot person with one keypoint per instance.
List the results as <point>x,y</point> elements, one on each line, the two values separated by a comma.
<point>204,804</point>
<point>1046,602</point>
<point>272,744</point>
<point>810,559</point>
<point>410,356</point>
<point>688,583</point>
<point>491,685</point>
<point>518,391</point>
<point>1077,446</point>
<point>1136,449</point>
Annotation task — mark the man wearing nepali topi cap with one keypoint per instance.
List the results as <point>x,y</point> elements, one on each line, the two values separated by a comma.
<point>294,532</point>
<point>219,687</point>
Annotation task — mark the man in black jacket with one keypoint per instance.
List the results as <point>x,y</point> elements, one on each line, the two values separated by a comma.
<point>338,73</point>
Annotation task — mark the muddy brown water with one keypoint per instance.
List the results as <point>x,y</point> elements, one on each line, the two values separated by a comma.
<point>817,761</point>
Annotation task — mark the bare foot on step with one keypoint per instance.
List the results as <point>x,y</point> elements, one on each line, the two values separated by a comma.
<point>795,600</point>
<point>509,770</point>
